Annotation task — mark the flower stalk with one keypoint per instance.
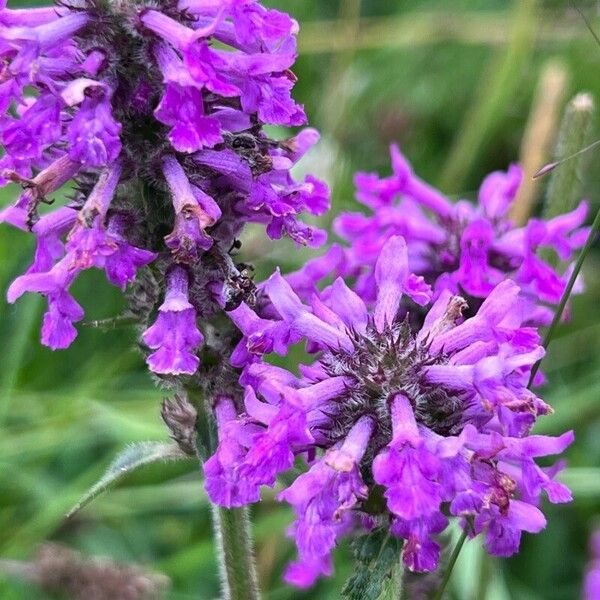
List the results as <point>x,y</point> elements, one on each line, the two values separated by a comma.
<point>455,554</point>
<point>235,552</point>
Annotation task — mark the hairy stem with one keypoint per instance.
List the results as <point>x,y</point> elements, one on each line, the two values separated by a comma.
<point>236,557</point>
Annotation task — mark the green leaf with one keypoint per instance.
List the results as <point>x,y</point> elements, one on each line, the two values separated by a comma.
<point>132,458</point>
<point>378,570</point>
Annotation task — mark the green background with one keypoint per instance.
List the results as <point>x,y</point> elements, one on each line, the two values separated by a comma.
<point>453,83</point>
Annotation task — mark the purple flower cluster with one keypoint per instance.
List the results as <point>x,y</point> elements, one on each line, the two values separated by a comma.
<point>416,405</point>
<point>401,425</point>
<point>152,115</point>
<point>458,246</point>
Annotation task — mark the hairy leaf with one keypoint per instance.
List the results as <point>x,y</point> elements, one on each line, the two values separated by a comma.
<point>377,570</point>
<point>130,459</point>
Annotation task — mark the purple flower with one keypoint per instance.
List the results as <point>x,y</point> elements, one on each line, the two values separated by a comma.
<point>57,328</point>
<point>325,496</point>
<point>182,107</point>
<point>122,264</point>
<point>93,134</point>
<point>407,469</point>
<point>37,128</point>
<point>252,72</point>
<point>438,415</point>
<point>420,553</point>
<point>225,484</point>
<point>35,51</point>
<point>92,243</point>
<point>304,281</point>
<point>50,230</point>
<point>466,248</point>
<point>261,336</point>
<point>191,218</point>
<point>174,337</point>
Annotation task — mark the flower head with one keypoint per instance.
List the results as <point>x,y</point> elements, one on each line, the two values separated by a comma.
<point>419,421</point>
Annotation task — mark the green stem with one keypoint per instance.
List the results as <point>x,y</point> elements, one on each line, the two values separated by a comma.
<point>567,293</point>
<point>459,545</point>
<point>234,544</point>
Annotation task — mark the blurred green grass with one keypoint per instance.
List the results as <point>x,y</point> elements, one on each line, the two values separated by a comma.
<point>454,85</point>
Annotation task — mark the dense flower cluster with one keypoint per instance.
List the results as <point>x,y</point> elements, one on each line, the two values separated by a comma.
<point>591,585</point>
<point>459,246</point>
<point>416,405</point>
<point>152,113</point>
<point>400,424</point>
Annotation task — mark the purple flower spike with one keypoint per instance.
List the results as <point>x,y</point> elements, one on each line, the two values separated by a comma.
<point>408,413</point>
<point>155,127</point>
<point>435,407</point>
<point>175,335</point>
